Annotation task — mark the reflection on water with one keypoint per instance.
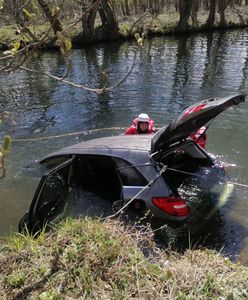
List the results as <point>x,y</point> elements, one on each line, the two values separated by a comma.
<point>170,73</point>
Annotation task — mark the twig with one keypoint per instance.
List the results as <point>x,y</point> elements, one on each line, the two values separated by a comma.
<point>95,90</point>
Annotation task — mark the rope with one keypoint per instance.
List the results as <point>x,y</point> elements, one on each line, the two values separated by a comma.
<point>85,132</point>
<point>140,192</point>
<point>198,175</point>
<point>238,184</point>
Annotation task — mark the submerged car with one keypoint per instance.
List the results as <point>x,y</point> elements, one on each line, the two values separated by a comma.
<point>166,176</point>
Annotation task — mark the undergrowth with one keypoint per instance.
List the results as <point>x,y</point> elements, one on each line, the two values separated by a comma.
<point>91,259</point>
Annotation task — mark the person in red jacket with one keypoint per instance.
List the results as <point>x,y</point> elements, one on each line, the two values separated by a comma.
<point>200,136</point>
<point>142,124</point>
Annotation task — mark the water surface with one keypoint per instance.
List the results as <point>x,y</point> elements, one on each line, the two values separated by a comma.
<point>170,73</point>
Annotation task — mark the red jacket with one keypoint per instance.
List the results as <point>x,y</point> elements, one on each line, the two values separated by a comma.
<point>133,129</point>
<point>200,137</point>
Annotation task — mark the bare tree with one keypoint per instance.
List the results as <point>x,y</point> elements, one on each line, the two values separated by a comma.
<point>211,16</point>
<point>195,8</point>
<point>109,26</point>
<point>185,7</point>
<point>222,5</point>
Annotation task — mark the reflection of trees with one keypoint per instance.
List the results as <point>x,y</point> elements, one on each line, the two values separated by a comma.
<point>215,62</point>
<point>24,92</point>
<point>147,71</point>
<point>27,89</point>
<point>181,69</point>
<point>244,73</point>
<point>99,66</point>
<point>209,59</point>
<point>100,61</point>
<point>211,16</point>
<point>202,62</point>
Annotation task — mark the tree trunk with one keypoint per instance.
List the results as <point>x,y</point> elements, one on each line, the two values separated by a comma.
<point>221,10</point>
<point>88,23</point>
<point>195,8</point>
<point>142,6</point>
<point>177,5</point>
<point>123,9</point>
<point>211,16</point>
<point>136,7</point>
<point>185,7</point>
<point>127,8</point>
<point>156,7</point>
<point>53,19</point>
<point>150,6</point>
<point>109,28</point>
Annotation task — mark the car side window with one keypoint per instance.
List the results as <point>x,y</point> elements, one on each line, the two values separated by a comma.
<point>129,174</point>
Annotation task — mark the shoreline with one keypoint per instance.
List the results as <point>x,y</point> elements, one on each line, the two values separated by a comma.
<point>151,27</point>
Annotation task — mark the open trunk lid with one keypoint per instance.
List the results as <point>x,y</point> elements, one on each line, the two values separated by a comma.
<point>192,119</point>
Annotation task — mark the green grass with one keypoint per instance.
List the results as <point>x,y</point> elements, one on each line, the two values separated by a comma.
<point>93,259</point>
<point>7,34</point>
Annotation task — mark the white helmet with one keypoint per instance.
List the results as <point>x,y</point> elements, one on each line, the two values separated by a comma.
<point>143,118</point>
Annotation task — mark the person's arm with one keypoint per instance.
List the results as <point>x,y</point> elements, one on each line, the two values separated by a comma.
<point>130,130</point>
<point>151,126</point>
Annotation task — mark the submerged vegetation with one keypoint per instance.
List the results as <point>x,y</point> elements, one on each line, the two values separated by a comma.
<point>93,259</point>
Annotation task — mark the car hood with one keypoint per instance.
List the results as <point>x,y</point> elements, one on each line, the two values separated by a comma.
<point>192,119</point>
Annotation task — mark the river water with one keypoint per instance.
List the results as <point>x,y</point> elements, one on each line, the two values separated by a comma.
<point>170,73</point>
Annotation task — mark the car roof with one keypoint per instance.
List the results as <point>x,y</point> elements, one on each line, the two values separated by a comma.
<point>135,148</point>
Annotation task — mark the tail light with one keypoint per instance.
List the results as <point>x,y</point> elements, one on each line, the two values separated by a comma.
<point>174,206</point>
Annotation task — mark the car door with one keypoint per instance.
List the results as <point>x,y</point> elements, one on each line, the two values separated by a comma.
<point>49,202</point>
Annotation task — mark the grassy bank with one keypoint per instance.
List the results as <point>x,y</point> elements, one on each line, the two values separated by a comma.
<point>148,24</point>
<point>90,259</point>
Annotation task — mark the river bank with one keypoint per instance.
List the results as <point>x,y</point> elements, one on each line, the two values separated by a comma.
<point>96,259</point>
<point>148,24</point>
